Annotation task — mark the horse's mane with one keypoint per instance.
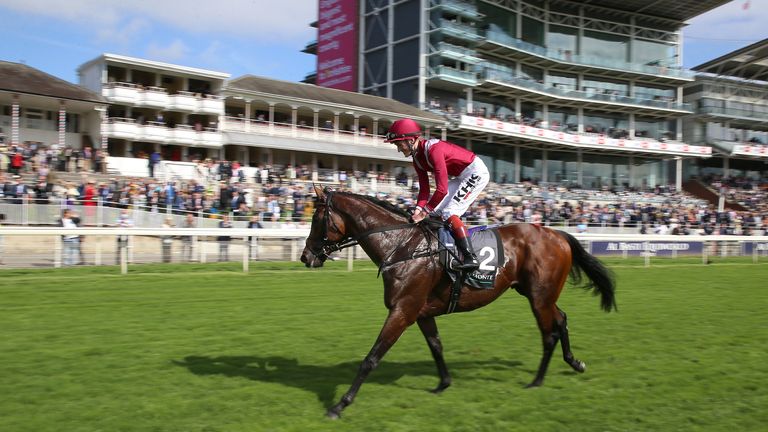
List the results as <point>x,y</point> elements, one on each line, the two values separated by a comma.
<point>386,205</point>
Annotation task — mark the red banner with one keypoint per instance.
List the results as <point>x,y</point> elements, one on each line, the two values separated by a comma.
<point>337,44</point>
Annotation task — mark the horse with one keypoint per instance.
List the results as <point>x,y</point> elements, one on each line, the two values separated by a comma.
<point>537,263</point>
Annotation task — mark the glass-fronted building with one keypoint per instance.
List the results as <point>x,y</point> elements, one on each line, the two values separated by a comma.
<point>559,91</point>
<point>730,97</point>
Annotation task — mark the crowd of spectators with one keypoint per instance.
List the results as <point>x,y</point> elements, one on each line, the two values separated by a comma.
<point>282,196</point>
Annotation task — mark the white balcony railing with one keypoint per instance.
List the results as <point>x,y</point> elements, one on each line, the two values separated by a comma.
<point>237,124</point>
<point>211,104</point>
<point>128,129</point>
<point>183,101</point>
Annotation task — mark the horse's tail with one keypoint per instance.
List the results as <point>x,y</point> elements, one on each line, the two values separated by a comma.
<point>600,277</point>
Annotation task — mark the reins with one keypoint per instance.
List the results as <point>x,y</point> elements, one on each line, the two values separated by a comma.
<point>351,241</point>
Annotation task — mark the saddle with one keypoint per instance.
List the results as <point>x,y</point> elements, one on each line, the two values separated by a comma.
<point>486,243</point>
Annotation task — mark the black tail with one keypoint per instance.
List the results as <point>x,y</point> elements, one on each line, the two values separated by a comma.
<point>601,278</point>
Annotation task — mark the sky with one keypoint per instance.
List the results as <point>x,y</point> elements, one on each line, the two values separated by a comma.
<point>258,37</point>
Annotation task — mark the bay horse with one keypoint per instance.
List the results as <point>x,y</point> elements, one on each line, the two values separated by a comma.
<point>537,264</point>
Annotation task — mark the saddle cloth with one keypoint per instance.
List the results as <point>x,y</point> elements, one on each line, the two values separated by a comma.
<point>486,243</point>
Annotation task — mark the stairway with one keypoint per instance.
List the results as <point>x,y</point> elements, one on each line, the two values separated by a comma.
<point>702,191</point>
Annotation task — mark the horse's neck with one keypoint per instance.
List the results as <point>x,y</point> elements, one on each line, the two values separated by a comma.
<point>369,216</point>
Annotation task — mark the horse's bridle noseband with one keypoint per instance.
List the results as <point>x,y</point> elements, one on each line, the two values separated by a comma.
<point>330,246</point>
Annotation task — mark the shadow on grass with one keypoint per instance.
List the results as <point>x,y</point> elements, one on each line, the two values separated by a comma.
<point>323,380</point>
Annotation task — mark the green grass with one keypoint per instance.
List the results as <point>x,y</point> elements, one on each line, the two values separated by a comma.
<point>208,348</point>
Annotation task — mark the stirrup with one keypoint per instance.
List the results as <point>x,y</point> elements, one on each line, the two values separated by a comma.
<point>470,263</point>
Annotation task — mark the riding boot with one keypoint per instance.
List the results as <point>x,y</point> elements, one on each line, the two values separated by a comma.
<point>461,236</point>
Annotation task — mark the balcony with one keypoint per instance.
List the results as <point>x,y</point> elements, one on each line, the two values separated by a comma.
<point>525,83</point>
<point>211,104</point>
<point>154,97</point>
<point>455,52</point>
<point>758,114</point>
<point>593,141</point>
<point>182,134</point>
<point>310,48</point>
<point>238,124</point>
<point>123,93</point>
<point>122,128</point>
<point>567,57</point>
<point>459,31</point>
<point>182,101</point>
<point>461,8</point>
<point>447,73</point>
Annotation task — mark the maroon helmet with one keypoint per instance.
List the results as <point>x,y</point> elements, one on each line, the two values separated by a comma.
<point>402,129</point>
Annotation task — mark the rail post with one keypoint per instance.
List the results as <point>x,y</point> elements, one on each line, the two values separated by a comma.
<point>57,252</point>
<point>246,254</point>
<point>350,256</point>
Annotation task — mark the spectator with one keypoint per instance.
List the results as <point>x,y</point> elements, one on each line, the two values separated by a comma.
<point>70,242</point>
<point>224,240</point>
<point>186,241</point>
<point>123,221</point>
<point>252,241</point>
<point>153,160</point>
<point>167,240</point>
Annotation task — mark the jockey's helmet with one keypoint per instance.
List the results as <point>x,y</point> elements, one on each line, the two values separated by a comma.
<point>403,129</point>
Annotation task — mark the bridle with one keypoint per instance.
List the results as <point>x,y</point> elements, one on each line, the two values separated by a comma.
<point>330,246</point>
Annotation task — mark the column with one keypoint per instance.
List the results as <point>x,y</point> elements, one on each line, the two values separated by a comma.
<point>545,114</point>
<point>62,124</point>
<point>726,167</point>
<point>679,174</point>
<point>632,171</point>
<point>580,117</point>
<point>185,153</point>
<point>517,164</point>
<point>470,103</point>
<point>271,117</point>
<point>375,130</point>
<point>294,119</point>
<point>631,125</point>
<point>248,115</point>
<point>443,134</point>
<point>679,127</point>
<point>103,116</point>
<point>544,166</point>
<point>518,107</point>
<point>356,127</point>
<point>519,20</point>
<point>469,144</point>
<point>335,168</point>
<point>15,110</point>
<point>315,121</point>
<point>579,162</point>
<point>335,126</point>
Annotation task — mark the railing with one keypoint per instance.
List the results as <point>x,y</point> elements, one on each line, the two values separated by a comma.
<point>466,55</point>
<point>489,74</point>
<point>158,97</point>
<point>153,131</point>
<point>566,56</point>
<point>124,246</point>
<point>453,73</point>
<point>760,116</point>
<point>461,31</point>
<point>239,124</point>
<point>462,8</point>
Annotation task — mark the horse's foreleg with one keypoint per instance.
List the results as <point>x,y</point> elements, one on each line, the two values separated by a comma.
<point>396,323</point>
<point>545,317</point>
<point>429,330</point>
<point>565,343</point>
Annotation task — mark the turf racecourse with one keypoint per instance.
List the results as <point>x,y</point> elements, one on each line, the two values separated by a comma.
<point>208,348</point>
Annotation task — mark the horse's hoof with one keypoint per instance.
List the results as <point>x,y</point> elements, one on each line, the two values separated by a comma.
<point>533,385</point>
<point>581,367</point>
<point>439,389</point>
<point>333,415</point>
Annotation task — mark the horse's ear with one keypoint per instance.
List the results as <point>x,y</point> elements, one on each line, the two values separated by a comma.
<point>319,192</point>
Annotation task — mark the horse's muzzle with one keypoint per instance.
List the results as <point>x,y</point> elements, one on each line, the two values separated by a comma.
<point>311,260</point>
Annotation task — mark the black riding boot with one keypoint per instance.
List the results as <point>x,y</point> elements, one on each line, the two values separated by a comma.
<point>470,259</point>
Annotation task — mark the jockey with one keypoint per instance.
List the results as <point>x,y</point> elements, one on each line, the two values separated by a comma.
<point>453,196</point>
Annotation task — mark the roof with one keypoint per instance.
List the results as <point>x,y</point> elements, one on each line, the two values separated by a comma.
<point>329,96</point>
<point>151,64</point>
<point>678,10</point>
<point>750,62</point>
<point>20,78</point>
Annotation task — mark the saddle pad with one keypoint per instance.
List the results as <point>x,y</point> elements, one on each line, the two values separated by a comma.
<point>487,245</point>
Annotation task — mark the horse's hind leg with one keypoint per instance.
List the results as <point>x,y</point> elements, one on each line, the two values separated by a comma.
<point>429,330</point>
<point>545,317</point>
<point>565,343</point>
